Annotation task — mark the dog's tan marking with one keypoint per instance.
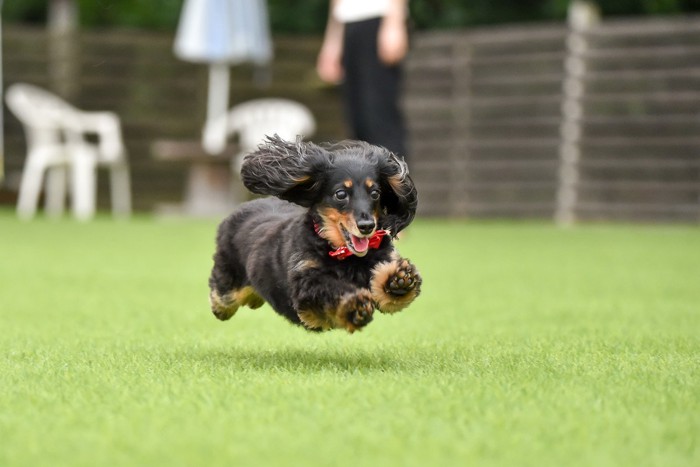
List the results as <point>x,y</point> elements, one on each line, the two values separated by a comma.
<point>304,264</point>
<point>369,182</point>
<point>376,213</point>
<point>330,227</point>
<point>224,307</point>
<point>331,214</point>
<point>347,220</point>
<point>303,179</point>
<point>396,182</point>
<point>347,183</point>
<point>316,319</point>
<point>248,296</point>
<point>386,302</point>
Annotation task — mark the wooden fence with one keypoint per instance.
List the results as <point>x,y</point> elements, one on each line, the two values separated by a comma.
<point>484,112</point>
<point>540,121</point>
<point>493,113</point>
<point>157,96</point>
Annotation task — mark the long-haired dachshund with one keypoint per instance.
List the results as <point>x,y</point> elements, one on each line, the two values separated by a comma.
<point>321,252</point>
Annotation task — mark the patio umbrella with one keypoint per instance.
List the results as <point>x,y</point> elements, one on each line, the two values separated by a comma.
<point>222,33</point>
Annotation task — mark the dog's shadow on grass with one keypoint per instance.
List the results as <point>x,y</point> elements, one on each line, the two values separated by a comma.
<point>298,360</point>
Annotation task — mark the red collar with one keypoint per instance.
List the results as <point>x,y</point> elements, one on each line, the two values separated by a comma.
<point>344,252</point>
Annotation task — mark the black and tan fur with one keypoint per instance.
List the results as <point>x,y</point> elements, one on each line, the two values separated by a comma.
<point>276,249</point>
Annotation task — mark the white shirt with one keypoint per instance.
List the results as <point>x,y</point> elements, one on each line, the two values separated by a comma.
<point>347,11</point>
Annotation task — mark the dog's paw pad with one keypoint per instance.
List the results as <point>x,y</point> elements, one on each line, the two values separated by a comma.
<point>358,310</point>
<point>404,280</point>
<point>362,315</point>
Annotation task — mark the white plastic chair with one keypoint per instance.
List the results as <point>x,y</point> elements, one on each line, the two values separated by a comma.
<point>253,120</point>
<point>59,149</point>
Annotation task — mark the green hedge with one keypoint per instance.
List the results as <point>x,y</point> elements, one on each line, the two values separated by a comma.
<point>309,16</point>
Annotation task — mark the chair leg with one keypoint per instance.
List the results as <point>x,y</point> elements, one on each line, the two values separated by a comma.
<point>83,187</point>
<point>30,188</point>
<point>56,180</point>
<point>120,186</point>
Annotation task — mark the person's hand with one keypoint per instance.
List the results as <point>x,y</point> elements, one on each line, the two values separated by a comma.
<point>392,42</point>
<point>329,66</point>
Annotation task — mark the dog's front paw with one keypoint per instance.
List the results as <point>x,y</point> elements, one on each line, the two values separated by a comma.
<point>356,310</point>
<point>395,285</point>
<point>404,280</point>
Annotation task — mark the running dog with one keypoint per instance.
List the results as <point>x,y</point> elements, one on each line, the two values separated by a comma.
<point>320,250</point>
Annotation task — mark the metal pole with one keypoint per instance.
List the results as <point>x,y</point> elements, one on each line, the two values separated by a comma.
<point>214,135</point>
<point>2,108</point>
<point>62,27</point>
<point>583,15</point>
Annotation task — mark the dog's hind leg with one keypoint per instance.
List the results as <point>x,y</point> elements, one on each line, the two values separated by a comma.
<point>228,283</point>
<point>224,306</point>
<point>230,289</point>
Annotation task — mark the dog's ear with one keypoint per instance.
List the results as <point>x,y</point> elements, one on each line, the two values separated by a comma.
<point>292,171</point>
<point>399,196</point>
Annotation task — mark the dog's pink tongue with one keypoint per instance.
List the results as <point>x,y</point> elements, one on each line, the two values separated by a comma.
<point>360,244</point>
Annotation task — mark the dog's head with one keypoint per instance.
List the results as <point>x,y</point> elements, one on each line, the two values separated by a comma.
<point>353,187</point>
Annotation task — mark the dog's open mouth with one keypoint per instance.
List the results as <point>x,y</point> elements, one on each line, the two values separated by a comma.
<point>358,245</point>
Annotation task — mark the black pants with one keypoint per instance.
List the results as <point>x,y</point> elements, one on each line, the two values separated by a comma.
<point>371,89</point>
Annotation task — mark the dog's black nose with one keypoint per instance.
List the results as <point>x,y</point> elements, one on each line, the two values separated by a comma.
<point>365,226</point>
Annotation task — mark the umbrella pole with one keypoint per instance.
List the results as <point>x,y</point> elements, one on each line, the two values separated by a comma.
<point>217,106</point>
<point>2,122</point>
<point>217,103</point>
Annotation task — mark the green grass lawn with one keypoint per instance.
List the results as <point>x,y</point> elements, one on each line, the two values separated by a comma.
<point>529,346</point>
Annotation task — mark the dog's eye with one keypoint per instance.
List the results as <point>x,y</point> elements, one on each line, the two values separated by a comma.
<point>375,194</point>
<point>341,194</point>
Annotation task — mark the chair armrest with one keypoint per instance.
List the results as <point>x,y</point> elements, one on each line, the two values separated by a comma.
<point>105,125</point>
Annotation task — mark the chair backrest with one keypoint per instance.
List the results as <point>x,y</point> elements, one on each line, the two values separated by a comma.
<point>40,112</point>
<point>253,120</point>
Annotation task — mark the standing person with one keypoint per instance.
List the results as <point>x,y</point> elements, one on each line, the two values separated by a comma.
<point>364,44</point>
